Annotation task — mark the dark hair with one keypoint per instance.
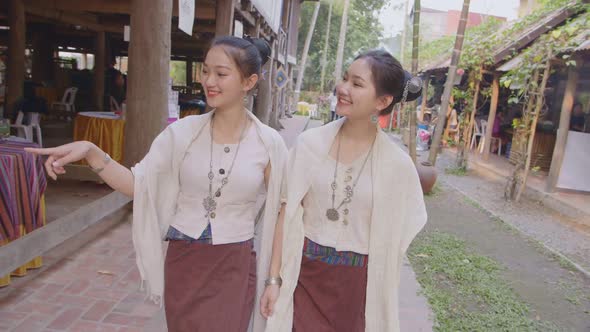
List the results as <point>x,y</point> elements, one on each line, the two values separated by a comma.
<point>389,77</point>
<point>249,54</point>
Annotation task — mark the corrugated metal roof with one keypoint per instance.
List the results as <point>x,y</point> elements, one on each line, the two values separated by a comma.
<point>584,46</point>
<point>513,63</point>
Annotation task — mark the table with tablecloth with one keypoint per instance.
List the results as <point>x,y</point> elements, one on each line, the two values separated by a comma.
<point>105,129</point>
<point>22,201</point>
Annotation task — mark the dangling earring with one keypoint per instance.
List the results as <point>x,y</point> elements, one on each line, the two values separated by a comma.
<point>374,118</point>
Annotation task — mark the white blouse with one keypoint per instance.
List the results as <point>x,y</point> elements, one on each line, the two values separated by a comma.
<point>351,231</point>
<point>237,206</point>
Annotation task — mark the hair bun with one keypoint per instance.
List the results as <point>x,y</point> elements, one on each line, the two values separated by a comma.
<point>414,85</point>
<point>262,46</point>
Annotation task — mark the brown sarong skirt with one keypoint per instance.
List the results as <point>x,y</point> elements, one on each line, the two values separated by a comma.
<point>329,297</point>
<point>209,288</point>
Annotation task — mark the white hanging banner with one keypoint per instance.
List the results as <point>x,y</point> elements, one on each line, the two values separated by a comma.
<point>186,15</point>
<point>238,29</point>
<point>126,33</point>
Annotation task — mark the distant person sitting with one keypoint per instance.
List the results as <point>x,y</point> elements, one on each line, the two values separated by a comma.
<point>578,118</point>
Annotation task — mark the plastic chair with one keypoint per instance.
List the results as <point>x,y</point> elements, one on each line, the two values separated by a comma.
<point>484,128</point>
<point>26,130</point>
<point>477,132</point>
<point>114,105</point>
<point>67,102</point>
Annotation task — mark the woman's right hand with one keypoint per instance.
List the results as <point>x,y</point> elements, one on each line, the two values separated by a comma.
<point>268,300</point>
<point>62,155</point>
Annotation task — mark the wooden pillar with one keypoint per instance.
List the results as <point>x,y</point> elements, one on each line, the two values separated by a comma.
<point>424,96</point>
<point>491,116</point>
<point>189,72</point>
<point>147,90</point>
<point>224,17</point>
<point>564,125</point>
<point>43,49</point>
<point>99,70</point>
<point>15,73</point>
<point>264,96</point>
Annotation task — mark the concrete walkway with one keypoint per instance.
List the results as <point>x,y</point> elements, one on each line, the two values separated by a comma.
<point>94,287</point>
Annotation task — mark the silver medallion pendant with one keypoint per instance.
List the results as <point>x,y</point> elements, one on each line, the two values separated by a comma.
<point>333,214</point>
<point>209,204</point>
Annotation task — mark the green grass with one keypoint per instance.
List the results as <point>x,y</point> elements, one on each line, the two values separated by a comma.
<point>465,289</point>
<point>436,190</point>
<point>457,171</point>
<point>473,203</point>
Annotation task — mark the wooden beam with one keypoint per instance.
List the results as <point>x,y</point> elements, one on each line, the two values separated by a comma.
<point>203,10</point>
<point>147,94</point>
<point>224,18</point>
<point>36,243</point>
<point>88,21</point>
<point>573,75</point>
<point>99,70</point>
<point>491,116</point>
<point>15,71</point>
<point>245,14</point>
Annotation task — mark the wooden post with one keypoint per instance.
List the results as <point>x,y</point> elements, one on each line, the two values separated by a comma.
<point>425,85</point>
<point>147,94</point>
<point>189,72</point>
<point>99,70</point>
<point>491,117</point>
<point>224,17</point>
<point>43,42</point>
<point>264,95</point>
<point>15,73</point>
<point>564,125</point>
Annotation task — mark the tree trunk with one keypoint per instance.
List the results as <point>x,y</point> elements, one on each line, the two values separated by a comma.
<point>511,189</point>
<point>415,45</point>
<point>540,98</point>
<point>449,83</point>
<point>325,53</point>
<point>303,62</point>
<point>15,69</point>
<point>341,41</point>
<point>463,153</point>
<point>147,102</point>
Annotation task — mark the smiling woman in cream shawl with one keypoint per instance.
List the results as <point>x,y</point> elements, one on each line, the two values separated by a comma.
<point>353,205</point>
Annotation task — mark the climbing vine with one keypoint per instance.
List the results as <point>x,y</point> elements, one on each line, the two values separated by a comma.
<point>528,81</point>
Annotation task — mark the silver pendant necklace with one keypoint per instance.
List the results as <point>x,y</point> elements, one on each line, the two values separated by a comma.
<point>332,213</point>
<point>209,202</point>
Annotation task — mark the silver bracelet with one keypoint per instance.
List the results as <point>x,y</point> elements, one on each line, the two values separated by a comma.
<point>273,281</point>
<point>105,161</point>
